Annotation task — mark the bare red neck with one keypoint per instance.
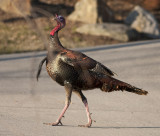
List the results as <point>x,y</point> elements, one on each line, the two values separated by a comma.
<point>57,28</point>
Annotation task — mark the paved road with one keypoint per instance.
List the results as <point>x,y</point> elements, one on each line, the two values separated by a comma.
<point>25,104</point>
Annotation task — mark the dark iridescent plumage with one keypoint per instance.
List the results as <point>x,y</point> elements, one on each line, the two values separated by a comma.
<point>76,72</point>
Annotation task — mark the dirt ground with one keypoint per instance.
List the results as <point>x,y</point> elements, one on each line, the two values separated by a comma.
<point>20,35</point>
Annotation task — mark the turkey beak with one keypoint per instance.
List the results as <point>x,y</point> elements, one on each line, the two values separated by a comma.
<point>55,18</point>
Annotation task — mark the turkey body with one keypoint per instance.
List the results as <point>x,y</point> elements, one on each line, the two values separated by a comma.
<point>76,72</point>
<point>61,69</point>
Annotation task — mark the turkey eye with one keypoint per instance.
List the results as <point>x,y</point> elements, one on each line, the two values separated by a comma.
<point>61,19</point>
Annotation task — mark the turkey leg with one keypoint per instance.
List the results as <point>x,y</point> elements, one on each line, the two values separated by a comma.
<point>68,89</point>
<point>84,100</point>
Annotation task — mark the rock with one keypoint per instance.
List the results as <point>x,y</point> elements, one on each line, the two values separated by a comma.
<point>19,7</point>
<point>119,32</point>
<point>143,22</point>
<point>91,11</point>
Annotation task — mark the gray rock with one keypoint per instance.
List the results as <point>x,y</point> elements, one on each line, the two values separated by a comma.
<point>119,32</point>
<point>91,11</point>
<point>143,22</point>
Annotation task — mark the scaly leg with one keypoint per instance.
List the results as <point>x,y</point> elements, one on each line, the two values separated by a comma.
<point>84,100</point>
<point>68,89</point>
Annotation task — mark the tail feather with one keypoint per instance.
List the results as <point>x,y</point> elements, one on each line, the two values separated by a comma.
<point>40,67</point>
<point>111,84</point>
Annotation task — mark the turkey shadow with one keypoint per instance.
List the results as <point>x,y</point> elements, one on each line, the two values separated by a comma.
<point>112,127</point>
<point>126,127</point>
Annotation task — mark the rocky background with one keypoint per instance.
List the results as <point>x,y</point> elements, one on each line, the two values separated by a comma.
<point>25,24</point>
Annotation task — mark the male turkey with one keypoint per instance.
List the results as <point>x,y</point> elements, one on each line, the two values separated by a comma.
<point>76,72</point>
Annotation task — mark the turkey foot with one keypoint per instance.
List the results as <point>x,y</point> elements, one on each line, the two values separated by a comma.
<point>87,125</point>
<point>54,124</point>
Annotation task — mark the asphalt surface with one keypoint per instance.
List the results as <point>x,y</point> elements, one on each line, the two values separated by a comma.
<point>26,104</point>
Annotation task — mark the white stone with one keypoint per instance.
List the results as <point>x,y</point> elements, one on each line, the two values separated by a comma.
<point>19,7</point>
<point>91,11</point>
<point>119,32</point>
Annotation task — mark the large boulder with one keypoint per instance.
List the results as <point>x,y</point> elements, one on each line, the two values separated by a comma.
<point>119,32</point>
<point>91,11</point>
<point>19,7</point>
<point>143,22</point>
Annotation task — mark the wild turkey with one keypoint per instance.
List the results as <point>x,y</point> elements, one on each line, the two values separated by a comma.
<point>76,72</point>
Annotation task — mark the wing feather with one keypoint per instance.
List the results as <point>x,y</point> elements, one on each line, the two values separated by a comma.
<point>82,61</point>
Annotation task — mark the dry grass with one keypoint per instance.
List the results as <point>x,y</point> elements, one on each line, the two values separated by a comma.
<point>18,36</point>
